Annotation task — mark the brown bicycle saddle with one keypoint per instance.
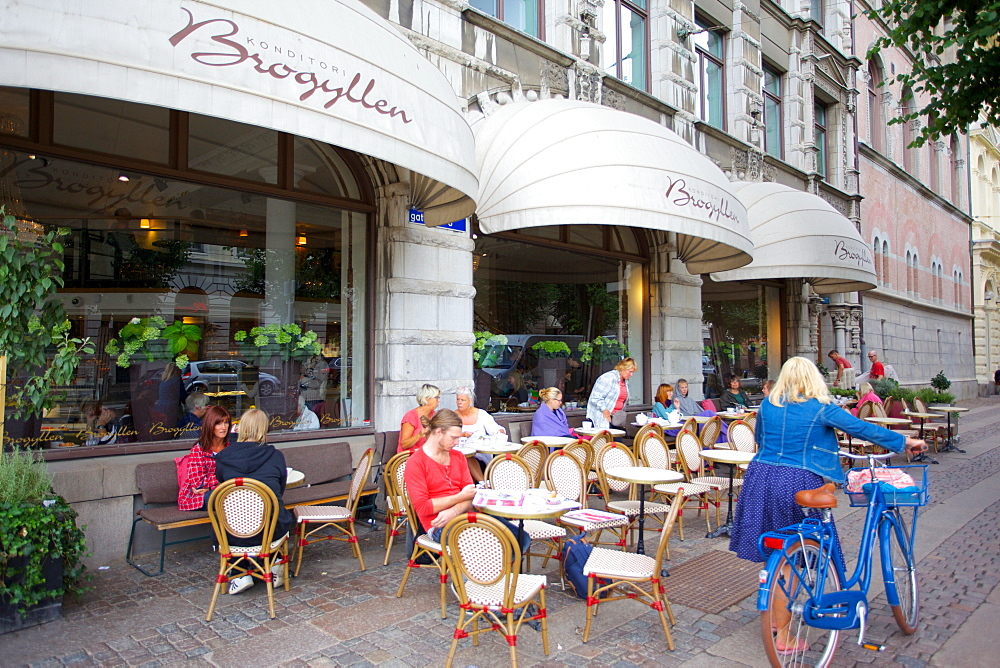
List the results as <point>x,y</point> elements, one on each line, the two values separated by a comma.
<point>821,497</point>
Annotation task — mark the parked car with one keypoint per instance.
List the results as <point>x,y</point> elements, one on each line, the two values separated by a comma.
<point>224,376</point>
<point>706,365</point>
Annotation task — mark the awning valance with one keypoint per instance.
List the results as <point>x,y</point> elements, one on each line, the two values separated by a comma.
<point>563,162</point>
<point>331,71</point>
<point>798,235</point>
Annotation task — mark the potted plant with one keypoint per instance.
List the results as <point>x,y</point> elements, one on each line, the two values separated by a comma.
<point>552,356</point>
<point>40,544</point>
<point>286,343</point>
<point>32,323</point>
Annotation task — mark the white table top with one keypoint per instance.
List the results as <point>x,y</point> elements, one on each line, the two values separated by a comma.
<point>735,416</point>
<point>922,415</point>
<point>496,448</point>
<point>949,409</point>
<point>643,475</point>
<point>594,431</point>
<point>466,450</point>
<point>295,478</point>
<point>728,456</point>
<point>550,441</point>
<point>887,420</point>
<point>530,510</point>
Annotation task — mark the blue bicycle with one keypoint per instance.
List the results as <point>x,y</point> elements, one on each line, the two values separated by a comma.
<point>805,597</point>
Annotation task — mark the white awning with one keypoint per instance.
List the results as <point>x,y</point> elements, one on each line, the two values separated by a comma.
<point>331,71</point>
<point>563,162</point>
<point>798,235</point>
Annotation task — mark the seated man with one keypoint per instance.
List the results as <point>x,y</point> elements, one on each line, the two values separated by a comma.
<point>877,371</point>
<point>189,426</point>
<point>438,481</point>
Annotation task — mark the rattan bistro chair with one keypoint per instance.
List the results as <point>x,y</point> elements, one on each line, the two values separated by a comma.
<point>423,545</point>
<point>312,520</point>
<point>741,437</point>
<point>565,476</point>
<point>395,514</point>
<point>511,473</point>
<point>534,453</point>
<point>617,576</point>
<point>654,454</point>
<point>482,558</point>
<point>692,466</point>
<point>246,508</point>
<point>615,455</point>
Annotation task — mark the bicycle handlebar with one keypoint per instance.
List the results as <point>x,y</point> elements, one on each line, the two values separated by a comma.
<point>873,456</point>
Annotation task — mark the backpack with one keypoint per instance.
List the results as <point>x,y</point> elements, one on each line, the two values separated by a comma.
<point>575,552</point>
<point>182,473</point>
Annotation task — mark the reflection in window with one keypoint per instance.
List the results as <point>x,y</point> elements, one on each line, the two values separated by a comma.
<point>734,321</point>
<point>624,52</point>
<point>233,149</point>
<point>710,47</point>
<point>520,14</point>
<point>14,111</point>
<point>112,126</point>
<point>213,261</point>
<point>772,112</point>
<point>531,291</point>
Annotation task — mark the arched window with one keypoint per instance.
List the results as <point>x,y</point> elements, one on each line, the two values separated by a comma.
<point>909,271</point>
<point>933,168</point>
<point>876,124</point>
<point>877,248</point>
<point>885,261</point>
<point>956,172</point>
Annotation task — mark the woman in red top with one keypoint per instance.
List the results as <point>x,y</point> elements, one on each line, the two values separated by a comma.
<point>200,461</point>
<point>411,428</point>
<point>438,481</point>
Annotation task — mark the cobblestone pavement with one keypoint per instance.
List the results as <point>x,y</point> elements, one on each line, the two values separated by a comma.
<point>337,615</point>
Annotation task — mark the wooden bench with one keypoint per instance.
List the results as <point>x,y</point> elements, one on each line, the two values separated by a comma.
<point>328,467</point>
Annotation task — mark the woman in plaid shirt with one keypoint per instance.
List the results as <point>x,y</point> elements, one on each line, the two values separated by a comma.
<point>200,461</point>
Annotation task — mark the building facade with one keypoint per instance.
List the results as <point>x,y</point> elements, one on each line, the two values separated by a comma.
<point>985,163</point>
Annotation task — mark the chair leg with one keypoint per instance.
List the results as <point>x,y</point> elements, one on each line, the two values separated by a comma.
<point>455,636</point>
<point>269,581</point>
<point>220,581</point>
<point>300,543</point>
<point>409,566</point>
<point>443,576</point>
<point>658,604</point>
<point>355,545</point>
<point>545,628</point>
<point>591,604</point>
<point>511,639</point>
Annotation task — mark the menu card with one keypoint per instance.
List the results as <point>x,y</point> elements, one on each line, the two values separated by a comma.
<point>498,498</point>
<point>590,515</point>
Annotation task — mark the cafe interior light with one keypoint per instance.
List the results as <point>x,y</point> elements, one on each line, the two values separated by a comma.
<point>123,177</point>
<point>301,240</point>
<point>145,223</point>
<point>244,233</point>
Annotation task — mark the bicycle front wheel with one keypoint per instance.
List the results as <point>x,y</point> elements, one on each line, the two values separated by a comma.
<point>900,574</point>
<point>788,641</point>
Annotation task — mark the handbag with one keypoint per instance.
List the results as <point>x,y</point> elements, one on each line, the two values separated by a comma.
<point>618,418</point>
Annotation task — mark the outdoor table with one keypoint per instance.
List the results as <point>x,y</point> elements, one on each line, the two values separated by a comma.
<point>643,475</point>
<point>923,456</point>
<point>496,448</point>
<point>730,458</point>
<point>950,445</point>
<point>467,450</point>
<point>734,416</point>
<point>593,431</point>
<point>295,478</point>
<point>531,511</point>
<point>549,441</point>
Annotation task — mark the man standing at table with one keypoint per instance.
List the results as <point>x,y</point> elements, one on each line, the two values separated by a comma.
<point>842,363</point>
<point>878,370</point>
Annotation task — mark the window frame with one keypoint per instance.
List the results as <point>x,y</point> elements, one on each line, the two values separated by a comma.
<point>644,13</point>
<point>822,129</point>
<point>499,16</point>
<point>775,98</point>
<point>720,61</point>
<point>876,124</point>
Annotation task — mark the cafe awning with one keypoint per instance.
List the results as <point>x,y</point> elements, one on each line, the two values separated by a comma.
<point>564,162</point>
<point>798,235</point>
<point>331,71</point>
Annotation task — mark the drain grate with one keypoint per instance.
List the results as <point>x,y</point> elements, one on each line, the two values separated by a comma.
<point>712,582</point>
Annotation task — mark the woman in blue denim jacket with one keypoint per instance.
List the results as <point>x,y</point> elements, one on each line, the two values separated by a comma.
<point>797,450</point>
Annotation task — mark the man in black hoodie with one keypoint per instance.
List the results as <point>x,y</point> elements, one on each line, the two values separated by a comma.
<point>252,457</point>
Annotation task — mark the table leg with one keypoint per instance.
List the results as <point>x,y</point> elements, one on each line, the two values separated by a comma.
<point>923,456</point>
<point>726,529</point>
<point>950,445</point>
<point>641,543</point>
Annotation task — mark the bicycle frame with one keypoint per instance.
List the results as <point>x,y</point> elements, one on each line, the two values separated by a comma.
<point>843,609</point>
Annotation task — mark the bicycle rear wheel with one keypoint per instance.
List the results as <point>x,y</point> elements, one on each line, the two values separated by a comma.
<point>788,641</point>
<point>900,574</point>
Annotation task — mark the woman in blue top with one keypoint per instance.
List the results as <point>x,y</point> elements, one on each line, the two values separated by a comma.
<point>797,450</point>
<point>663,403</point>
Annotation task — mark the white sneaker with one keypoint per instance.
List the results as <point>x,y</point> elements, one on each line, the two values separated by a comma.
<point>240,584</point>
<point>279,577</point>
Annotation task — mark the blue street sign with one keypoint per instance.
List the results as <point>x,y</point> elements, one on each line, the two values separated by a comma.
<point>417,217</point>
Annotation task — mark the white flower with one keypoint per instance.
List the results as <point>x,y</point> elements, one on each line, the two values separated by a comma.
<point>134,321</point>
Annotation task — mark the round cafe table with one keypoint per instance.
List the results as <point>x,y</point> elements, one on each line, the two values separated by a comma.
<point>950,445</point>
<point>531,511</point>
<point>496,448</point>
<point>593,431</point>
<point>734,416</point>
<point>294,479</point>
<point>549,441</point>
<point>923,456</point>
<point>642,476</point>
<point>731,458</point>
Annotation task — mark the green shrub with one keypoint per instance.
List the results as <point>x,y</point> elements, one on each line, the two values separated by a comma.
<point>931,396</point>
<point>885,388</point>
<point>940,382</point>
<point>842,392</point>
<point>551,349</point>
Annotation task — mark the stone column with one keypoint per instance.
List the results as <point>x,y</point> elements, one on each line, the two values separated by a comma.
<point>841,316</point>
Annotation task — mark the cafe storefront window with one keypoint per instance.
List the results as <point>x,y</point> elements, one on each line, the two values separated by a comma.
<point>561,283</point>
<point>269,292</point>
<point>735,316</point>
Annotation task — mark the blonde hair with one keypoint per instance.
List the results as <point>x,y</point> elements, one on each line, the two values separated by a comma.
<point>864,388</point>
<point>426,393</point>
<point>627,364</point>
<point>799,381</point>
<point>253,426</point>
<point>549,393</point>
<point>444,419</point>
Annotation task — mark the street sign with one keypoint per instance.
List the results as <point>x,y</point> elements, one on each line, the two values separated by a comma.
<point>417,216</point>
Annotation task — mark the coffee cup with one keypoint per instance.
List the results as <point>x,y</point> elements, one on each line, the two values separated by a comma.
<point>587,424</point>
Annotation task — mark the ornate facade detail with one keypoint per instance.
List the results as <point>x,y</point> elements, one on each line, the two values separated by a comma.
<point>749,165</point>
<point>815,310</point>
<point>854,329</point>
<point>587,82</point>
<point>613,99</point>
<point>841,205</point>
<point>554,79</point>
